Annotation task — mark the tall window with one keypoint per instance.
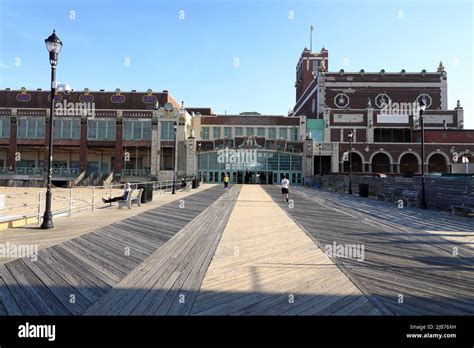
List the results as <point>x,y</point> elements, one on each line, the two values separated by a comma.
<point>239,131</point>
<point>228,132</point>
<point>167,130</point>
<point>101,129</point>
<point>4,127</point>
<point>283,133</point>
<point>205,133</point>
<point>30,128</point>
<point>294,134</point>
<point>216,132</point>
<point>260,132</point>
<point>250,131</point>
<point>137,129</point>
<point>271,133</point>
<point>67,128</point>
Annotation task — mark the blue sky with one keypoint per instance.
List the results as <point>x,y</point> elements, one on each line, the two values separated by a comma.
<point>194,57</point>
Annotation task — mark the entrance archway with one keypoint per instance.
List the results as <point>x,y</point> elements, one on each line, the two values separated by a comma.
<point>356,163</point>
<point>381,163</point>
<point>408,164</point>
<point>437,163</point>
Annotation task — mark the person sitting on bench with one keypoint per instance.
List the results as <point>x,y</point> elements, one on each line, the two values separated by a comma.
<point>120,198</point>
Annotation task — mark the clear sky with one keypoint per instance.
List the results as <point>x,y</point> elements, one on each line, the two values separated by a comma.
<point>233,56</point>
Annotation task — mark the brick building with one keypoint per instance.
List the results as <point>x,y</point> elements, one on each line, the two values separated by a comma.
<point>381,109</point>
<point>102,136</point>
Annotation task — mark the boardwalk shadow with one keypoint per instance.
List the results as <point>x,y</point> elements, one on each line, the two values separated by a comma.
<point>44,301</point>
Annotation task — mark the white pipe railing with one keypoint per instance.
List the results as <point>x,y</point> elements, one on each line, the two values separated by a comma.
<point>76,199</point>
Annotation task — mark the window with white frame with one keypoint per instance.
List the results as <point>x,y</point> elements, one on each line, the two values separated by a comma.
<point>271,133</point>
<point>136,130</point>
<point>4,127</point>
<point>67,128</point>
<point>101,129</point>
<point>283,133</point>
<point>205,133</point>
<point>216,132</point>
<point>30,128</point>
<point>228,132</point>
<point>167,130</point>
<point>239,131</point>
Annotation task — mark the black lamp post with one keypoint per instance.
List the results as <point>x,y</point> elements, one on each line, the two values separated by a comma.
<point>175,159</point>
<point>422,122</point>
<point>53,44</point>
<point>351,135</point>
<point>320,147</point>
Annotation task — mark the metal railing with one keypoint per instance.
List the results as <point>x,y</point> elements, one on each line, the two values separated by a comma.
<point>58,172</point>
<point>67,201</point>
<point>136,172</point>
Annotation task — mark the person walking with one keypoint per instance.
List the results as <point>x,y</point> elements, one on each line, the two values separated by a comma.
<point>285,186</point>
<point>226,182</point>
<point>123,197</point>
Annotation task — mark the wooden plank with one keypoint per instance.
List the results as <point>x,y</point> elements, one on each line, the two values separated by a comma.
<point>29,284</point>
<point>155,279</point>
<point>7,301</point>
<point>398,259</point>
<point>61,289</point>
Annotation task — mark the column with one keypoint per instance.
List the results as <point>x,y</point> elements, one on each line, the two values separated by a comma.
<point>155,146</point>
<point>118,164</point>
<point>12,146</point>
<point>83,145</point>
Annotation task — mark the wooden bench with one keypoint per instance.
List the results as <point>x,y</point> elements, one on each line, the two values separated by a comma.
<point>135,196</point>
<point>464,210</point>
<point>386,195</point>
<point>410,197</point>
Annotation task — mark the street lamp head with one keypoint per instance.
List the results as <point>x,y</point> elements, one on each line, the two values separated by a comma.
<point>350,135</point>
<point>422,106</point>
<point>53,44</point>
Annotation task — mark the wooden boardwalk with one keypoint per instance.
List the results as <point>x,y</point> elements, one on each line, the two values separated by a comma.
<point>82,222</point>
<point>169,280</point>
<point>459,230</point>
<point>244,252</point>
<point>69,277</point>
<point>405,271</point>
<point>266,265</point>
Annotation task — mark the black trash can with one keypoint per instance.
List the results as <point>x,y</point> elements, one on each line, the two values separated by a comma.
<point>194,184</point>
<point>363,190</point>
<point>147,195</point>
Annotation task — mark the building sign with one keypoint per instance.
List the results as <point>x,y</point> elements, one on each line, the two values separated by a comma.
<point>438,119</point>
<point>392,118</point>
<point>348,118</point>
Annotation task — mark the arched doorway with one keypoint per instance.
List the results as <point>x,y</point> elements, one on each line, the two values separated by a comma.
<point>381,163</point>
<point>408,164</point>
<point>356,163</point>
<point>469,156</point>
<point>437,163</point>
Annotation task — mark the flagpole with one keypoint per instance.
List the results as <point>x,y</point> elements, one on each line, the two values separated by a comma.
<point>311,39</point>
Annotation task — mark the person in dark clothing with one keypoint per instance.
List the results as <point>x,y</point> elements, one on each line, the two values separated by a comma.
<point>123,197</point>
<point>183,183</point>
